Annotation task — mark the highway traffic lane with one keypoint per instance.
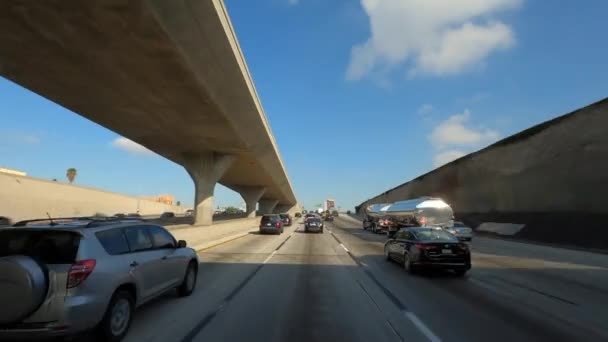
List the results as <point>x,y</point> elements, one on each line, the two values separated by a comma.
<point>221,270</point>
<point>309,290</point>
<point>569,285</point>
<point>518,313</point>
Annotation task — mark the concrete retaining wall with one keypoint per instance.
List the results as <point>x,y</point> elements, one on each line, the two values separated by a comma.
<point>558,167</point>
<point>27,197</point>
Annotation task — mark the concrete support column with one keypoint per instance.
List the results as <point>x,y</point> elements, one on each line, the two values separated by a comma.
<point>251,195</point>
<point>267,206</point>
<point>291,209</point>
<point>282,208</point>
<point>206,169</point>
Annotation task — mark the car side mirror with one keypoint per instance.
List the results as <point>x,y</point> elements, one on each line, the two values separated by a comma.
<point>181,244</point>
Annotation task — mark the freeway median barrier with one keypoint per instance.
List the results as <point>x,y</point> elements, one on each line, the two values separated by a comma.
<point>205,237</point>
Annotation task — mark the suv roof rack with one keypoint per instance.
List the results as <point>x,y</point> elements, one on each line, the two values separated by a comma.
<point>90,221</point>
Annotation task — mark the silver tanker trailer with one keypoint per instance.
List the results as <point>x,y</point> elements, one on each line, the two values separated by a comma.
<point>375,218</point>
<point>417,212</point>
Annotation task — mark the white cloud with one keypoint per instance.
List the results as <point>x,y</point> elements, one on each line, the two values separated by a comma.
<point>436,37</point>
<point>293,2</point>
<point>131,146</point>
<point>454,131</point>
<point>456,137</point>
<point>425,109</point>
<point>445,157</point>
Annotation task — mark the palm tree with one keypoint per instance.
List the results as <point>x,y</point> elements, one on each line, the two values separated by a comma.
<point>71,174</point>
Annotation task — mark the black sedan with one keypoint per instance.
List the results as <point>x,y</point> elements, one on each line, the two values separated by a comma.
<point>313,224</point>
<point>417,248</point>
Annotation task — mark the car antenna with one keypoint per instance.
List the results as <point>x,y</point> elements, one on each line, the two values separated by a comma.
<point>50,218</point>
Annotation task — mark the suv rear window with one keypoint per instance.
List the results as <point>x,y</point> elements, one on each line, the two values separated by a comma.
<point>270,219</point>
<point>113,241</point>
<point>50,247</point>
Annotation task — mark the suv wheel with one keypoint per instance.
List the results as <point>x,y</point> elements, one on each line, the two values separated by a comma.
<point>189,283</point>
<point>117,319</point>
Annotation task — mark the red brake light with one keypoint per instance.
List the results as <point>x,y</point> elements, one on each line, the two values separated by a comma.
<point>422,246</point>
<point>79,272</point>
<point>278,224</point>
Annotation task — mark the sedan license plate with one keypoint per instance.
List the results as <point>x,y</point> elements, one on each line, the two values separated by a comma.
<point>446,251</point>
<point>268,224</point>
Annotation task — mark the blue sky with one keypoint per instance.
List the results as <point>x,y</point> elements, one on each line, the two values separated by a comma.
<point>361,96</point>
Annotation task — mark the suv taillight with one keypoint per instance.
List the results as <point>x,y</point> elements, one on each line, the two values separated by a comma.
<point>79,272</point>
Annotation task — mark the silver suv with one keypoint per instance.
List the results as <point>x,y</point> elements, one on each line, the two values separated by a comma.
<point>72,275</point>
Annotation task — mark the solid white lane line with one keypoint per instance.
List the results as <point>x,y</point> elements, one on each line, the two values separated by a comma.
<point>421,326</point>
<point>408,314</point>
<point>269,257</point>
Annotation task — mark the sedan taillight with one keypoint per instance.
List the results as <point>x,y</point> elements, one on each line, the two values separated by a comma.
<point>79,272</point>
<point>278,224</point>
<point>422,246</point>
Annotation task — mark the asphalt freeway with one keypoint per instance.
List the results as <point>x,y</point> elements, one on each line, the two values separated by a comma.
<point>337,286</point>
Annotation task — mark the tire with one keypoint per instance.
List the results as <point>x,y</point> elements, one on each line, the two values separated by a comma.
<point>387,256</point>
<point>188,284</point>
<point>407,264</point>
<point>116,321</point>
<point>321,231</point>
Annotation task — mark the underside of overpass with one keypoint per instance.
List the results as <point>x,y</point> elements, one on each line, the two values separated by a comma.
<point>168,75</point>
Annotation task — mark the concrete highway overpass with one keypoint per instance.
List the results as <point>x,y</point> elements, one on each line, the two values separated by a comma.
<point>169,75</point>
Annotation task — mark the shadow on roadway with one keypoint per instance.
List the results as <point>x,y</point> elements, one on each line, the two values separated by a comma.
<point>455,304</point>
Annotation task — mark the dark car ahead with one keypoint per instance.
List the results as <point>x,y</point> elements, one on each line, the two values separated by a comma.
<point>309,216</point>
<point>167,214</point>
<point>286,218</point>
<point>313,224</point>
<point>418,248</point>
<point>271,224</point>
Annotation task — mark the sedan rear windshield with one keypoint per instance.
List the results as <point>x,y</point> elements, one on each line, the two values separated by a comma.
<point>434,234</point>
<point>50,247</point>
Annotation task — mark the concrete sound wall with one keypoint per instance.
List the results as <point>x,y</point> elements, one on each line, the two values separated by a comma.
<point>547,175</point>
<point>27,197</point>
